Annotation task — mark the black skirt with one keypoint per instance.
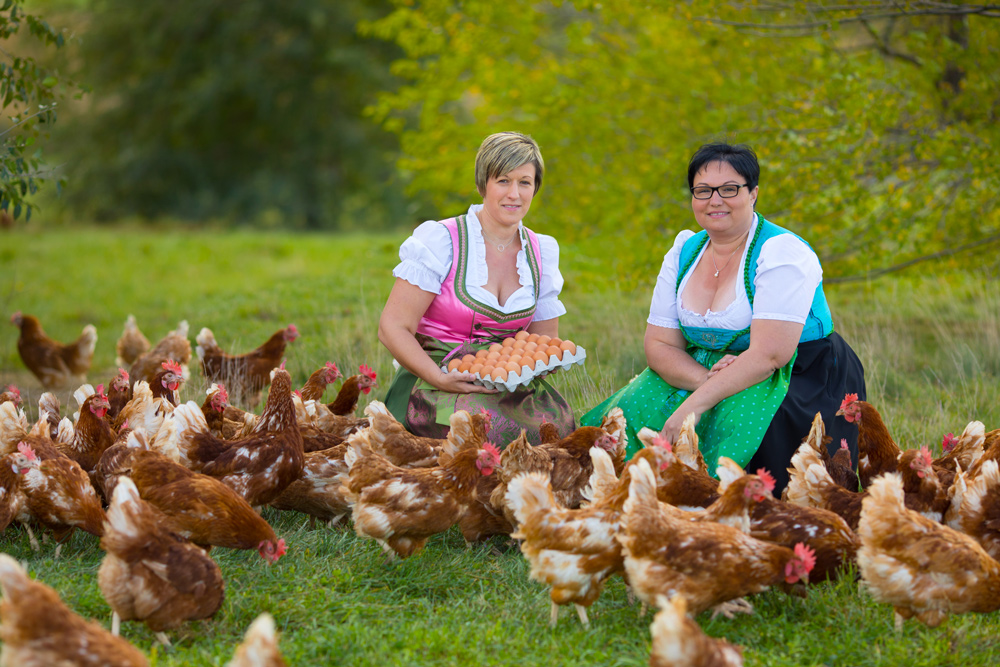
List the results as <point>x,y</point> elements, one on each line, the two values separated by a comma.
<point>824,372</point>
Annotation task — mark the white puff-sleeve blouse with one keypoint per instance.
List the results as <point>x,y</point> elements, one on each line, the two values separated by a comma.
<point>788,273</point>
<point>426,257</point>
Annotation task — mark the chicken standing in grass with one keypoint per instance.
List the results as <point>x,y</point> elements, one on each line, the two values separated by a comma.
<point>39,630</point>
<point>132,344</point>
<point>150,573</point>
<point>245,375</point>
<point>175,347</point>
<point>56,365</point>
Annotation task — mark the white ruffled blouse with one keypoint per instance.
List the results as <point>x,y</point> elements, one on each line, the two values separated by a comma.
<point>426,257</point>
<point>788,272</point>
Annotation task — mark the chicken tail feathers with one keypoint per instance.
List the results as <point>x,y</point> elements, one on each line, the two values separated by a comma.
<point>642,488</point>
<point>529,493</point>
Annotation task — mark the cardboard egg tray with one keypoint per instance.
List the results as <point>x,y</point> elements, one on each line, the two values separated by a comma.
<point>515,380</point>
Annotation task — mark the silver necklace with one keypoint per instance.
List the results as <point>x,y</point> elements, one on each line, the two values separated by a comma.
<point>499,246</point>
<point>717,269</point>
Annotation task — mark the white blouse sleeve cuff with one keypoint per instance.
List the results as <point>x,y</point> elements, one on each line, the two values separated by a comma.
<point>425,257</point>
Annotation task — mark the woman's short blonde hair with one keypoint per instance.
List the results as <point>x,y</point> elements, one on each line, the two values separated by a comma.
<point>503,152</point>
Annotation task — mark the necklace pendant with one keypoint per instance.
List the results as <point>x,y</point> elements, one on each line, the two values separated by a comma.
<point>716,274</point>
<point>500,247</point>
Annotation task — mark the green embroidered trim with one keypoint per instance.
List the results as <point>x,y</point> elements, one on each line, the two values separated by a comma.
<point>462,269</point>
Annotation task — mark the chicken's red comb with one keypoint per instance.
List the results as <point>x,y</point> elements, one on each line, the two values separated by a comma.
<point>26,449</point>
<point>292,331</point>
<point>661,441</point>
<point>330,366</point>
<point>807,555</point>
<point>767,478</point>
<point>282,365</point>
<point>925,455</point>
<point>848,399</point>
<point>365,370</point>
<point>172,366</point>
<point>948,442</point>
<point>843,444</point>
<point>99,392</point>
<point>14,390</point>
<point>492,450</point>
<point>281,547</point>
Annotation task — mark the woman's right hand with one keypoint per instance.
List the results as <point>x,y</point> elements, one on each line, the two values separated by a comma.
<point>460,383</point>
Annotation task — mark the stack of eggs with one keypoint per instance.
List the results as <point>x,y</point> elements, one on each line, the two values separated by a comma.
<point>522,354</point>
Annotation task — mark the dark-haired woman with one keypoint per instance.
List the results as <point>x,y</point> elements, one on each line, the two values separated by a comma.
<point>739,331</point>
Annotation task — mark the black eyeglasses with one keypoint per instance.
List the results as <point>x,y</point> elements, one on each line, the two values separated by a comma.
<point>725,191</point>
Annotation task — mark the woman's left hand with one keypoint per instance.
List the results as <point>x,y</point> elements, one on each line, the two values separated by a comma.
<point>672,428</point>
<point>721,363</point>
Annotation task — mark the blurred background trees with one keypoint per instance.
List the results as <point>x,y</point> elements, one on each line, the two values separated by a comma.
<point>875,122</point>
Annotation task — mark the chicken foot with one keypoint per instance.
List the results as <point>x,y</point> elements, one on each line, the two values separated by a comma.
<point>581,613</point>
<point>730,607</point>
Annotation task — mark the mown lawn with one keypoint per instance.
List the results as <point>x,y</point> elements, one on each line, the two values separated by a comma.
<point>931,347</point>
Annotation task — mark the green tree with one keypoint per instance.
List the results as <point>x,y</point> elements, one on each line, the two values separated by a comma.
<point>246,110</point>
<point>30,93</point>
<point>870,149</point>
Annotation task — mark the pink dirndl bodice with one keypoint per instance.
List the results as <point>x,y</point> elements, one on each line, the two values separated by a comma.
<point>454,316</point>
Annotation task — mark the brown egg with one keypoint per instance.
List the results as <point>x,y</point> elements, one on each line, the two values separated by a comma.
<point>555,341</point>
<point>541,356</point>
<point>521,335</point>
<point>464,367</point>
<point>519,344</point>
<point>476,368</point>
<point>495,347</point>
<point>499,375</point>
<point>528,364</point>
<point>481,354</point>
<point>504,358</point>
<point>515,355</point>
<point>533,338</point>
<point>512,367</point>
<point>530,347</point>
<point>453,364</point>
<point>471,358</point>
<point>568,346</point>
<point>543,341</point>
<point>554,351</point>
<point>508,342</point>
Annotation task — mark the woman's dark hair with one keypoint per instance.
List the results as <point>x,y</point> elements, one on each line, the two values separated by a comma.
<point>740,157</point>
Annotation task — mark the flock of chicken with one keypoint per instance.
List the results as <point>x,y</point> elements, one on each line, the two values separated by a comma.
<point>162,483</point>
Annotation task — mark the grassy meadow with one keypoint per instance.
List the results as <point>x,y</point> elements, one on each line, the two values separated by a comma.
<point>931,348</point>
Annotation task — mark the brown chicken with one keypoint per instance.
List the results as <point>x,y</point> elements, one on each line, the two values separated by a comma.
<point>346,401</point>
<point>925,493</point>
<point>132,344</point>
<point>11,496</point>
<point>573,551</point>
<point>572,464</point>
<point>92,434</point>
<point>709,563</point>
<point>518,458</point>
<point>316,385</point>
<point>318,415</point>
<point>684,486</point>
<point>918,566</point>
<point>976,509</point>
<point>58,496</point>
<point>175,347</point>
<point>201,508</point>
<point>841,468</point>
<point>167,381</point>
<point>56,365</point>
<point>390,438</point>
<point>401,508</point>
<point>961,453</point>
<point>150,573</point>
<point>679,642</point>
<point>258,467</point>
<point>119,394</point>
<point>246,375</point>
<point>11,395</point>
<point>37,628</point>
<point>877,451</point>
<point>318,492</point>
<point>260,646</point>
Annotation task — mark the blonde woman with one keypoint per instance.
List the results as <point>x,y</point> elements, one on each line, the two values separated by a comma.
<point>466,282</point>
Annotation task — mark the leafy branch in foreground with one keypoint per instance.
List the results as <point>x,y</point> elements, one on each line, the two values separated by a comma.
<point>29,92</point>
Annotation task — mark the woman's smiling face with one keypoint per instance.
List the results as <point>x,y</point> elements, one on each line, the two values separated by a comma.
<point>508,197</point>
<point>718,213</point>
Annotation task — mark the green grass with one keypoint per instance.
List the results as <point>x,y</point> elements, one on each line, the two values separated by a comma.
<point>931,348</point>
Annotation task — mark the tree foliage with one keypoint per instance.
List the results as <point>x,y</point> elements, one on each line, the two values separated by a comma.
<point>874,132</point>
<point>29,92</point>
<point>251,110</point>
